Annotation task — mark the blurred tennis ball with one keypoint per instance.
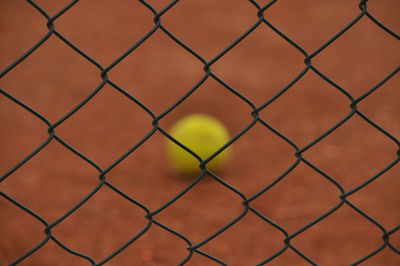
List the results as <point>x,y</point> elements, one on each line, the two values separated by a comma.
<point>202,134</point>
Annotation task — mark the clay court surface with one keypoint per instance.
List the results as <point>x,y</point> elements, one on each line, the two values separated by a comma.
<point>55,79</point>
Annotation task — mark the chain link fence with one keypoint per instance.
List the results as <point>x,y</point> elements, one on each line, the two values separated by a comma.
<point>247,200</point>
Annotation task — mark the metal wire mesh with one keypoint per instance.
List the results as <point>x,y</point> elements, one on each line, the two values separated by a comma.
<point>256,119</point>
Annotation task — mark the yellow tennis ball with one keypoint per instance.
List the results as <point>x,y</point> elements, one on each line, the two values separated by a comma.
<point>202,134</point>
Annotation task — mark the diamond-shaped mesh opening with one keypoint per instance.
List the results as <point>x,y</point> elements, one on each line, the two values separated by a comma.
<point>327,107</point>
<point>61,171</point>
<point>104,209</point>
<point>308,92</point>
<point>349,147</point>
<point>229,245</point>
<point>208,200</point>
<point>312,28</point>
<point>261,73</point>
<point>123,124</point>
<point>294,208</point>
<point>158,65</point>
<point>93,17</point>
<point>345,62</point>
<point>43,80</point>
<point>197,22</point>
<point>138,178</point>
<point>327,235</point>
<point>272,156</point>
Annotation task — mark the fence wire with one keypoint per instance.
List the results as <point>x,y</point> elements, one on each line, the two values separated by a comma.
<point>256,119</point>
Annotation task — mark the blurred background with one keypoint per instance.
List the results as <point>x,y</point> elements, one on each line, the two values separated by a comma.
<point>55,79</point>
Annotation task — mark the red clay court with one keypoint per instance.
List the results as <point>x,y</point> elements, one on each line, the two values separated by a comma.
<point>325,182</point>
